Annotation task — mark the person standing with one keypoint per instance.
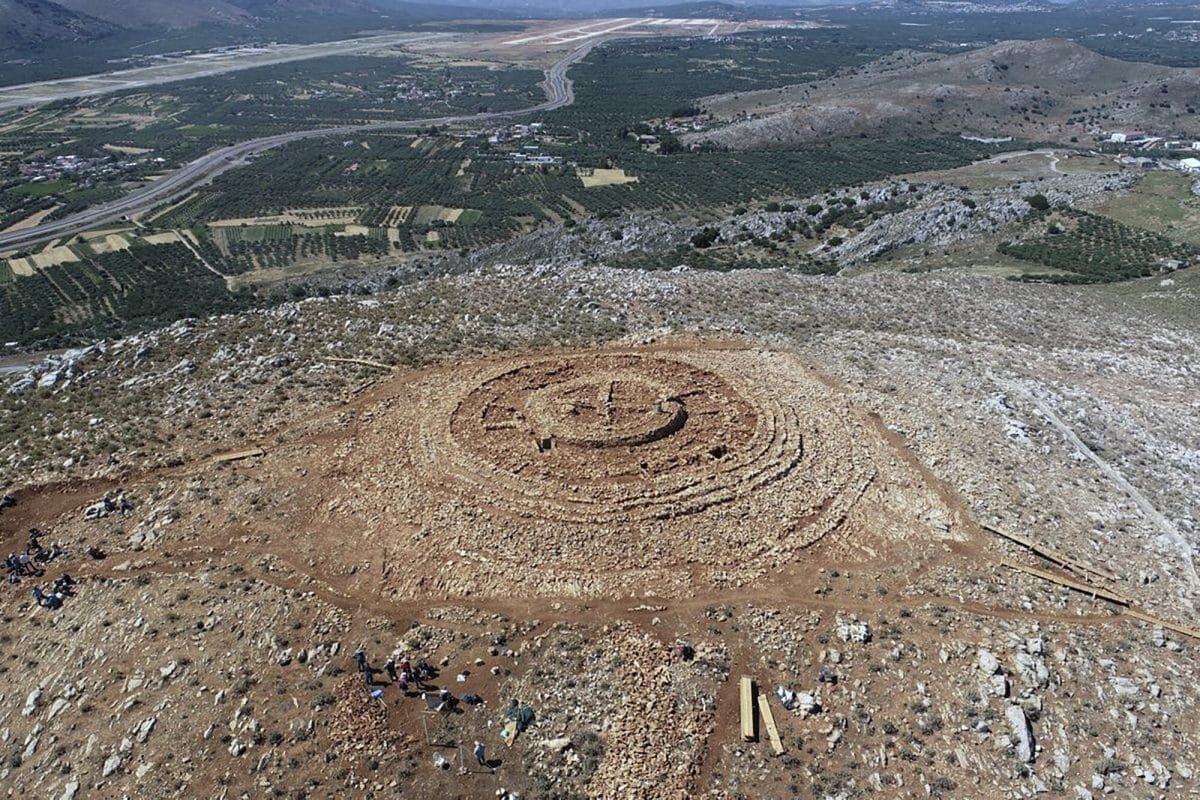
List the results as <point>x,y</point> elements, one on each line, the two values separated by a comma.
<point>481,754</point>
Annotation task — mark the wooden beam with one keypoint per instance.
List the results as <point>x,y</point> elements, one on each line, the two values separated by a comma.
<point>768,719</point>
<point>1051,555</point>
<point>1104,594</point>
<point>747,708</point>
<point>1085,588</point>
<point>1186,630</point>
<point>361,361</point>
<point>239,455</point>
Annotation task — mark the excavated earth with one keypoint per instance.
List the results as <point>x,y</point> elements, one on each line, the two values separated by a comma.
<point>605,473</point>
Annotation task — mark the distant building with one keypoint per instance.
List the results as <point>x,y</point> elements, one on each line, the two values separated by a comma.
<point>1190,165</point>
<point>1196,145</point>
<point>1119,138</point>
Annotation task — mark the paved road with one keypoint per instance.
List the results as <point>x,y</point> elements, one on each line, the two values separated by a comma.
<point>559,93</point>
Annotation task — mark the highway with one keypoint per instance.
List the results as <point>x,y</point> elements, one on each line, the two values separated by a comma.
<point>178,184</point>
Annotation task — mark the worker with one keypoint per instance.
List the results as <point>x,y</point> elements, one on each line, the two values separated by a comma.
<point>360,659</point>
<point>389,667</point>
<point>481,754</point>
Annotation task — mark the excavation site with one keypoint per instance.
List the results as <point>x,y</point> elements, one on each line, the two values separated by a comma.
<point>603,473</point>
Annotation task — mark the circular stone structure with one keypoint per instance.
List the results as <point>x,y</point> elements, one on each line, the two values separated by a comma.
<point>643,467</point>
<point>604,437</point>
<point>621,409</point>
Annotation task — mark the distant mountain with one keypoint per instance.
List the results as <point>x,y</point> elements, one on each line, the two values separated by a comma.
<point>157,14</point>
<point>32,22</point>
<point>29,24</point>
<point>707,9</point>
<point>696,10</point>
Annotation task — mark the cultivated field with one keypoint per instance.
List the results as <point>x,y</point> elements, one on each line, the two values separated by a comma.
<point>605,177</point>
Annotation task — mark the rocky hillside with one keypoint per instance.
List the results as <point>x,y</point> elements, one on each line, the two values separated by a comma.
<point>164,14</point>
<point>1049,89</point>
<point>31,22</point>
<point>27,24</point>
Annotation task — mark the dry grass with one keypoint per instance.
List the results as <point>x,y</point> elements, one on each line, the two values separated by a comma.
<point>605,177</point>
<point>32,220</point>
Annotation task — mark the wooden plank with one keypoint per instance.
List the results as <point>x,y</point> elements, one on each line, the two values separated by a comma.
<point>1085,588</point>
<point>1051,555</point>
<point>361,361</point>
<point>1112,597</point>
<point>747,708</point>
<point>239,455</point>
<point>1178,627</point>
<point>768,719</point>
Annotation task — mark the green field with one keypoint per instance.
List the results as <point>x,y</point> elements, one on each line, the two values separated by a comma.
<point>1079,247</point>
<point>1161,202</point>
<point>43,188</point>
<point>198,131</point>
<point>186,119</point>
<point>111,293</point>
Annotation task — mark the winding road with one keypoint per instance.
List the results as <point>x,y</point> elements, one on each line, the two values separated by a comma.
<point>559,93</point>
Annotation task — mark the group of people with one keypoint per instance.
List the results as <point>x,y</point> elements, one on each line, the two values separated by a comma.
<point>30,562</point>
<point>403,673</point>
<point>409,677</point>
<point>62,588</point>
<point>107,505</point>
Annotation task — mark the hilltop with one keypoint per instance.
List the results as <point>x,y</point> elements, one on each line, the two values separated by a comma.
<point>1050,89</point>
<point>32,22</point>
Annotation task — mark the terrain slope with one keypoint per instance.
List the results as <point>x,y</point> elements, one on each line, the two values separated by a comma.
<point>1048,89</point>
<point>32,22</point>
<point>612,532</point>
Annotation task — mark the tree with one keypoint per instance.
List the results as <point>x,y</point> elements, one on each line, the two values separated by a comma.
<point>1038,202</point>
<point>706,238</point>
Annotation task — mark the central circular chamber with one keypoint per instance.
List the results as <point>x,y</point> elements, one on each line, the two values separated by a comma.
<point>620,409</point>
